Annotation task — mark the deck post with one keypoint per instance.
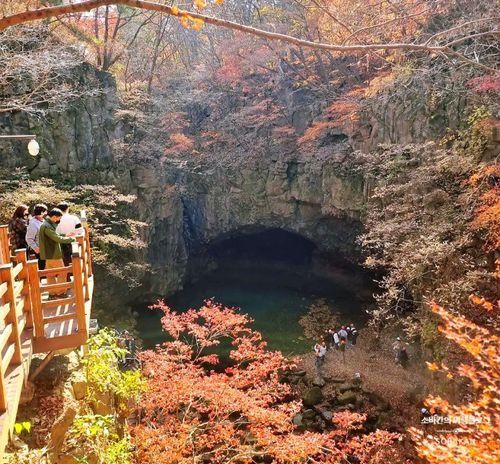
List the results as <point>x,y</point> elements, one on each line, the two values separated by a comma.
<point>87,243</point>
<point>24,275</point>
<point>79,295</point>
<point>11,317</point>
<point>36,298</point>
<point>3,392</point>
<point>83,253</point>
<point>4,245</point>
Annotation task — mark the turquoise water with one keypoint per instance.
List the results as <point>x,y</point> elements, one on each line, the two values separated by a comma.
<point>274,298</point>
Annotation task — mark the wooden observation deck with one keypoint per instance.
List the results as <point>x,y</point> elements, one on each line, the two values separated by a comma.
<point>31,322</point>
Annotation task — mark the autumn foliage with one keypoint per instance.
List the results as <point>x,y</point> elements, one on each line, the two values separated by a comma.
<point>479,437</point>
<point>202,407</point>
<point>487,213</point>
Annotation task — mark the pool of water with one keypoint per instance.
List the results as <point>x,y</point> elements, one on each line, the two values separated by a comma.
<point>274,297</point>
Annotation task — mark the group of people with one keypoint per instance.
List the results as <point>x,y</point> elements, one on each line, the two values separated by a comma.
<point>340,339</point>
<point>346,337</point>
<point>46,234</point>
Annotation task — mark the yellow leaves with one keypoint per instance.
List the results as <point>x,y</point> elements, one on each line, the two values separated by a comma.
<point>175,11</point>
<point>219,2</point>
<point>432,366</point>
<point>188,22</point>
<point>199,4</point>
<point>197,24</point>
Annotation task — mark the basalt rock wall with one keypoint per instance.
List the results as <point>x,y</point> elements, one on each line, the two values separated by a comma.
<point>191,205</point>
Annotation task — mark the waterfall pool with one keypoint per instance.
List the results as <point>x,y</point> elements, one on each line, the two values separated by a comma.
<point>274,297</point>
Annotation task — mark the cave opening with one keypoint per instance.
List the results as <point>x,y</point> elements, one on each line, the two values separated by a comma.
<point>275,276</point>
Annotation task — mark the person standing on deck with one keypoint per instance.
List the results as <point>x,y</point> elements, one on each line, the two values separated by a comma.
<point>70,225</point>
<point>50,247</point>
<point>17,228</point>
<point>39,213</point>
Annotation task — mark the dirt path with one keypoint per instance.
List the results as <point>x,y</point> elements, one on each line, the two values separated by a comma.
<point>403,389</point>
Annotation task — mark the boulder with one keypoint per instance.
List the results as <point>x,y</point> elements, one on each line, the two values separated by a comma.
<point>308,414</point>
<point>79,388</point>
<point>312,396</point>
<point>297,420</point>
<point>327,415</point>
<point>61,426</point>
<point>345,387</point>
<point>319,381</point>
<point>347,397</point>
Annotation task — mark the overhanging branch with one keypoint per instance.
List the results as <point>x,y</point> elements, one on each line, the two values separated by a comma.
<point>87,5</point>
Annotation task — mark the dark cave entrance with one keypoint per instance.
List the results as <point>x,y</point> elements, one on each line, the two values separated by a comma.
<point>275,276</point>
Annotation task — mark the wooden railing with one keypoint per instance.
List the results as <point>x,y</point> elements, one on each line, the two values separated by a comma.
<point>75,282</point>
<point>15,316</point>
<point>4,245</point>
<point>31,322</point>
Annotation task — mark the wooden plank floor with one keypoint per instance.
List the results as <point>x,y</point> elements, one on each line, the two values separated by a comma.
<point>62,334</point>
<point>53,309</point>
<point>14,381</point>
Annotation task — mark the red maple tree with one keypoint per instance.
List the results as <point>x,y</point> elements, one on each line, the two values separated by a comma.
<point>204,407</point>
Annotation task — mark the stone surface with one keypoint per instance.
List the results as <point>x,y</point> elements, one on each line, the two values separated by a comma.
<point>297,420</point>
<point>319,381</point>
<point>308,414</point>
<point>312,396</point>
<point>61,425</point>
<point>79,388</point>
<point>347,397</point>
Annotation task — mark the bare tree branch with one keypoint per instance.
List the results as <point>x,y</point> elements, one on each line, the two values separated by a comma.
<point>88,5</point>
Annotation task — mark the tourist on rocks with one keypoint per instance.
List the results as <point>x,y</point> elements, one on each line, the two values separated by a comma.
<point>352,334</point>
<point>336,340</point>
<point>401,354</point>
<point>343,334</point>
<point>333,338</point>
<point>39,213</point>
<point>50,248</point>
<point>17,228</point>
<point>70,226</point>
<point>320,353</point>
<point>342,347</point>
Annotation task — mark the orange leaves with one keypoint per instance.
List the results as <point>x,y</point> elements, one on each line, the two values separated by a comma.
<point>478,301</point>
<point>314,132</point>
<point>477,420</point>
<point>180,143</point>
<point>199,408</point>
<point>432,366</point>
<point>487,214</point>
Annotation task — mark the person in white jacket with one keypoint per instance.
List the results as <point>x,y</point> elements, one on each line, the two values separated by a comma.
<point>70,226</point>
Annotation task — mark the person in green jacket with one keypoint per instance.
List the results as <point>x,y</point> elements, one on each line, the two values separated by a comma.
<point>50,248</point>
